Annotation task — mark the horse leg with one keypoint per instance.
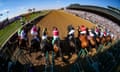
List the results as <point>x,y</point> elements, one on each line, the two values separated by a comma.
<point>82,53</point>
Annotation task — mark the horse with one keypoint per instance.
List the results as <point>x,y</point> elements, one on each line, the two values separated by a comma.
<point>23,39</point>
<point>88,41</point>
<point>35,44</point>
<point>46,45</point>
<point>109,37</point>
<point>57,48</point>
<point>92,42</point>
<point>70,39</point>
<point>84,41</point>
<point>84,44</point>
<point>92,39</point>
<point>97,40</point>
<point>71,42</point>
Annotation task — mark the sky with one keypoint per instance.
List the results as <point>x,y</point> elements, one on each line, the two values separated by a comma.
<point>11,8</point>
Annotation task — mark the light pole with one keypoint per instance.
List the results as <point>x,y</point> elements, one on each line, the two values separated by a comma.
<point>7,12</point>
<point>1,15</point>
<point>33,10</point>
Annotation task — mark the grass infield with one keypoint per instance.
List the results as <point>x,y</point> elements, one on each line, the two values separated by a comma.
<point>9,30</point>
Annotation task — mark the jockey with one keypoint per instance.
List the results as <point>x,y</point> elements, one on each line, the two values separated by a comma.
<point>23,34</point>
<point>71,33</point>
<point>44,34</point>
<point>101,33</point>
<point>19,32</point>
<point>55,34</point>
<point>91,34</point>
<point>104,33</point>
<point>109,33</point>
<point>34,30</point>
<point>112,35</point>
<point>97,31</point>
<point>83,29</point>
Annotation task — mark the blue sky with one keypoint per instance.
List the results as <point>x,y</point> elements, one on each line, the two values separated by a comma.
<point>16,7</point>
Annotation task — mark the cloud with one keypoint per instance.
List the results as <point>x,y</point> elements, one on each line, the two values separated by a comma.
<point>5,11</point>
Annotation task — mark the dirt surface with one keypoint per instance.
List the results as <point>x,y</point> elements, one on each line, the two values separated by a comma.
<point>61,20</point>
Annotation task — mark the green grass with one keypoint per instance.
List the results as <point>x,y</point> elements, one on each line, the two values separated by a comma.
<point>12,28</point>
<point>7,31</point>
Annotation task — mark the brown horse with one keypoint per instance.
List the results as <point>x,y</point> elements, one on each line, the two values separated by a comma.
<point>98,40</point>
<point>57,48</point>
<point>108,38</point>
<point>23,44</point>
<point>93,43</point>
<point>103,40</point>
<point>84,41</point>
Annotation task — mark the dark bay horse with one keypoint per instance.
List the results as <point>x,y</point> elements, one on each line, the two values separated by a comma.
<point>35,44</point>
<point>72,44</point>
<point>23,39</point>
<point>46,45</point>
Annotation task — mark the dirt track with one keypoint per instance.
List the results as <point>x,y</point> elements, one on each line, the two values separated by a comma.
<point>61,20</point>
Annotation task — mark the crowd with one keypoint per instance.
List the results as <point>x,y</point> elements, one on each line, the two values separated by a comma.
<point>97,19</point>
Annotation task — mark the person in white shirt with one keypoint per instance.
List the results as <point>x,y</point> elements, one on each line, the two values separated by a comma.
<point>44,34</point>
<point>70,32</point>
<point>23,34</point>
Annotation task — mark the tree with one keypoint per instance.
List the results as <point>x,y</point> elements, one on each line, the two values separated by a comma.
<point>33,9</point>
<point>29,10</point>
